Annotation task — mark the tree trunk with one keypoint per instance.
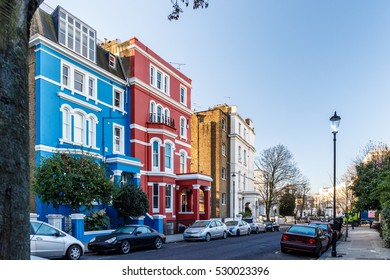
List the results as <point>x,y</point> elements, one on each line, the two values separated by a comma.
<point>15,18</point>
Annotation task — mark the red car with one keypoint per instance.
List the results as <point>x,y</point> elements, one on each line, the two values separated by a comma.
<point>304,238</point>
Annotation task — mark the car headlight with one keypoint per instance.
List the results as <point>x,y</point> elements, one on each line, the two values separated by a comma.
<point>111,240</point>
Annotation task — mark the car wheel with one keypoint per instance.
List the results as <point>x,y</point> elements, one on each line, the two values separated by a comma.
<point>74,252</point>
<point>208,237</point>
<point>238,232</point>
<point>224,235</point>
<point>277,228</point>
<point>257,230</point>
<point>125,247</point>
<point>249,232</point>
<point>158,243</point>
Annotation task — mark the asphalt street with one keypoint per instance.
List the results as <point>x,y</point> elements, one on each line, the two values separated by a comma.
<point>263,246</point>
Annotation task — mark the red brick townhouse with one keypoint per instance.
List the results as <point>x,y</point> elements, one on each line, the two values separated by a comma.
<point>160,135</point>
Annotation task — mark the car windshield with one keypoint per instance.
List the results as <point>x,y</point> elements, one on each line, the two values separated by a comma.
<point>302,230</point>
<point>231,223</point>
<point>129,229</point>
<point>198,224</point>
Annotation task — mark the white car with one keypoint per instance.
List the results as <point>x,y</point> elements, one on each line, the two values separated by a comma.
<point>237,228</point>
<point>47,241</point>
<point>256,225</point>
<point>205,230</point>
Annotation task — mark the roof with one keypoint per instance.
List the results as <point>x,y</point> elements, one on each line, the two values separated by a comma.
<point>44,24</point>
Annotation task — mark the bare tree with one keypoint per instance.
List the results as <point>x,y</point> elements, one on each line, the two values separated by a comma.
<point>275,168</point>
<point>177,10</point>
<point>15,18</point>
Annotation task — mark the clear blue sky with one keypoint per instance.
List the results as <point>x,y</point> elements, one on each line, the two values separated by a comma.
<point>287,65</point>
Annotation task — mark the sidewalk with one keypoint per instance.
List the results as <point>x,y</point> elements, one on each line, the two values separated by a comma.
<point>363,243</point>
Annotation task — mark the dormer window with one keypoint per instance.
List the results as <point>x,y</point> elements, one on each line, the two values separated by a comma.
<point>75,35</point>
<point>111,61</point>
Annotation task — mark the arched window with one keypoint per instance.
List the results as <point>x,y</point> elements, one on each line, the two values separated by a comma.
<point>91,132</point>
<point>166,116</point>
<point>66,124</point>
<point>155,155</point>
<point>152,112</point>
<point>79,128</point>
<point>168,156</point>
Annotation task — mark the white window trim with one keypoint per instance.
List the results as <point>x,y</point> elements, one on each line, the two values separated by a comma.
<point>82,25</point>
<point>171,169</point>
<point>84,127</point>
<point>122,139</point>
<point>121,107</point>
<point>156,209</point>
<point>170,209</point>
<point>70,85</point>
<point>184,134</point>
<point>185,95</point>
<point>68,135</point>
<point>185,156</point>
<point>158,140</point>
<point>165,79</point>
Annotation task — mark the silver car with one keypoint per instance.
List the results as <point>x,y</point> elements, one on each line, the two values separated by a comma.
<point>237,228</point>
<point>47,241</point>
<point>205,230</point>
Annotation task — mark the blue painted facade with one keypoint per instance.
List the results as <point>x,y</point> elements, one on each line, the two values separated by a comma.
<point>82,102</point>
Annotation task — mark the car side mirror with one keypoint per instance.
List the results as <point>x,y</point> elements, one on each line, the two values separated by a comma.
<point>57,234</point>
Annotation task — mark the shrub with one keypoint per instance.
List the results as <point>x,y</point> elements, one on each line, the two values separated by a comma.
<point>130,200</point>
<point>96,220</point>
<point>385,226</point>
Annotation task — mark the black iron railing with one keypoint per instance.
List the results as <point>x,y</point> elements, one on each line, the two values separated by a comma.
<point>163,119</point>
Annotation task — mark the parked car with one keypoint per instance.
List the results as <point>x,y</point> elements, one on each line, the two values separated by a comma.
<point>237,228</point>
<point>375,225</point>
<point>256,225</point>
<point>326,228</point>
<point>304,238</point>
<point>47,241</point>
<point>126,238</point>
<point>272,226</point>
<point>205,230</point>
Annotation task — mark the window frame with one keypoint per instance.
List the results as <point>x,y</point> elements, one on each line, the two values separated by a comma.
<point>183,95</point>
<point>121,138</point>
<point>155,198</point>
<point>121,106</point>
<point>169,198</point>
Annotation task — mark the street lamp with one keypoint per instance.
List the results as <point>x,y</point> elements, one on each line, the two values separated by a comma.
<point>334,124</point>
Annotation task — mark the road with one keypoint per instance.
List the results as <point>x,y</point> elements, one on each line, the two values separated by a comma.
<point>264,246</point>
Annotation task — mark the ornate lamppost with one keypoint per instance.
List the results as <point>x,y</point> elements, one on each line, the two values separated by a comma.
<point>334,123</point>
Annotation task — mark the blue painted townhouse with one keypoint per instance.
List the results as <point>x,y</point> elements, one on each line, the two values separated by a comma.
<point>82,98</point>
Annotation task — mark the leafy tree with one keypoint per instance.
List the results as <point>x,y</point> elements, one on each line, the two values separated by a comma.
<point>287,204</point>
<point>64,179</point>
<point>276,167</point>
<point>177,10</point>
<point>15,18</point>
<point>131,201</point>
